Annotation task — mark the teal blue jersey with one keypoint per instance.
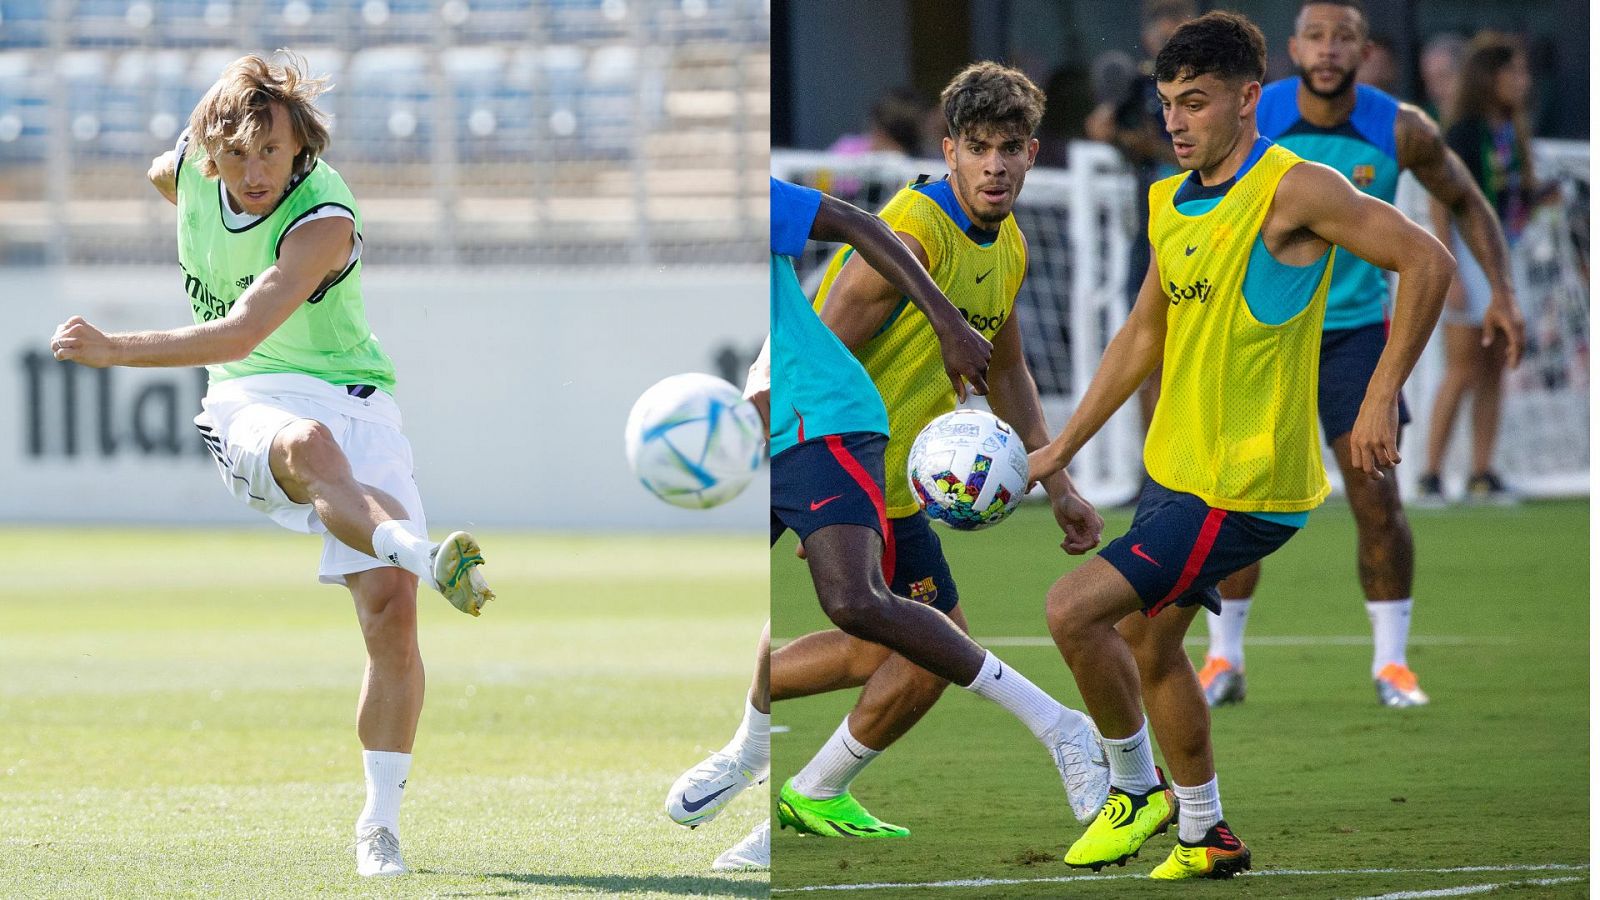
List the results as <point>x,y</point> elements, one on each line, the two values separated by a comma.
<point>818,386</point>
<point>1362,149</point>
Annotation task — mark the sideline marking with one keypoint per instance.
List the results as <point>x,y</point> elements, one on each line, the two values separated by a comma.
<point>1068,879</point>
<point>1474,889</point>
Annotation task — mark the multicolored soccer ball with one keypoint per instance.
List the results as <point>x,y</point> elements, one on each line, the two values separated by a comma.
<point>968,469</point>
<point>693,441</point>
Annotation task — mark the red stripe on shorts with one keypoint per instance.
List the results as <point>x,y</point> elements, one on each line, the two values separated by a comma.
<point>1197,559</point>
<point>859,473</point>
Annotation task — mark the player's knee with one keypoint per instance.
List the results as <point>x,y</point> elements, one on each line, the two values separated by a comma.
<point>388,615</point>
<point>1064,616</point>
<point>860,615</point>
<point>306,446</point>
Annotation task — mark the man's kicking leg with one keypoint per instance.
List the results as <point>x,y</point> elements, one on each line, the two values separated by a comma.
<point>309,465</point>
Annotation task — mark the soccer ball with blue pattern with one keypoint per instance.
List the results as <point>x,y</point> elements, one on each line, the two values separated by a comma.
<point>968,469</point>
<point>693,441</point>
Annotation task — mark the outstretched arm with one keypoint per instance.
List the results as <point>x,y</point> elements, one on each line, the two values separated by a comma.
<point>1129,359</point>
<point>1422,150</point>
<point>311,255</point>
<point>867,293</point>
<point>1014,397</point>
<point>1321,201</point>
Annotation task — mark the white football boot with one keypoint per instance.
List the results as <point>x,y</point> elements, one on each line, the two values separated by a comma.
<point>1081,760</point>
<point>702,792</point>
<point>378,852</point>
<point>456,573</point>
<point>754,852</point>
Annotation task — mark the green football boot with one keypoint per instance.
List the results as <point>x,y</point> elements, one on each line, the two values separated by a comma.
<point>1124,824</point>
<point>840,816</point>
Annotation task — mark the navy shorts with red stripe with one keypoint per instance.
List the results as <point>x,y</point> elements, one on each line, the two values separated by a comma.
<point>1178,548</point>
<point>832,480</point>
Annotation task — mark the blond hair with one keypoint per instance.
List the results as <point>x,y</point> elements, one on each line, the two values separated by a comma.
<point>238,108</point>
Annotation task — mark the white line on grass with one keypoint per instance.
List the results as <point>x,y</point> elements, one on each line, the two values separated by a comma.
<point>1276,640</point>
<point>1474,889</point>
<point>1000,882</point>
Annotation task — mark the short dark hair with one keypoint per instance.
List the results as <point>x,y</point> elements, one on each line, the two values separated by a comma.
<point>988,96</point>
<point>1357,5</point>
<point>1222,43</point>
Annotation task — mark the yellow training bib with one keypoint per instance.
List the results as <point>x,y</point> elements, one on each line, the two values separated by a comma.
<point>979,271</point>
<point>1236,424</point>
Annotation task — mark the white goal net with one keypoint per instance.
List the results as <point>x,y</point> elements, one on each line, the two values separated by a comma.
<point>1079,225</point>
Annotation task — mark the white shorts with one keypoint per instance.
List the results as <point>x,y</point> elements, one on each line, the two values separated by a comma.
<point>1474,285</point>
<point>243,415</point>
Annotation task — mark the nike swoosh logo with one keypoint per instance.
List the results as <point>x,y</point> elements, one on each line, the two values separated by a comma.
<point>983,276</point>
<point>1143,555</point>
<point>1189,251</point>
<point>818,504</point>
<point>695,805</point>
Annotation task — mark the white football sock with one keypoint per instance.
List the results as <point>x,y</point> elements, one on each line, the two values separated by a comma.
<point>386,782</point>
<point>1391,626</point>
<point>1021,697</point>
<point>399,542</point>
<point>1227,631</point>
<point>752,743</point>
<point>840,760</point>
<point>1133,765</point>
<point>1199,808</point>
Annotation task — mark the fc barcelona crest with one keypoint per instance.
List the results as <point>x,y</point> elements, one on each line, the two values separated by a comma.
<point>1361,176</point>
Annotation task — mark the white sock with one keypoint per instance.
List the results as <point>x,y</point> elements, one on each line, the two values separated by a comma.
<point>399,542</point>
<point>1391,626</point>
<point>1199,808</point>
<point>840,760</point>
<point>1021,697</point>
<point>1133,766</point>
<point>386,782</point>
<point>1227,631</point>
<point>752,743</point>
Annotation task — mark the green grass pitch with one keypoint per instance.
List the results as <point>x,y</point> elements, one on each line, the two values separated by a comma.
<point>177,718</point>
<point>1491,780</point>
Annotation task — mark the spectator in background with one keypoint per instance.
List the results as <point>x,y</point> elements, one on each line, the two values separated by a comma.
<point>1381,68</point>
<point>1129,117</point>
<point>1441,71</point>
<point>895,126</point>
<point>1487,126</point>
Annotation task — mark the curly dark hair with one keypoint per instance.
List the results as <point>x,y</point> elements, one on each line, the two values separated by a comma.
<point>1221,43</point>
<point>987,96</point>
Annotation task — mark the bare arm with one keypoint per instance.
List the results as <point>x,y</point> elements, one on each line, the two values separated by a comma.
<point>1129,359</point>
<point>1319,200</point>
<point>311,255</point>
<point>163,175</point>
<point>1422,150</point>
<point>1014,397</point>
<point>758,386</point>
<point>893,269</point>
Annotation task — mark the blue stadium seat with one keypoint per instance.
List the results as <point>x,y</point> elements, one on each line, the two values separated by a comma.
<point>22,23</point>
